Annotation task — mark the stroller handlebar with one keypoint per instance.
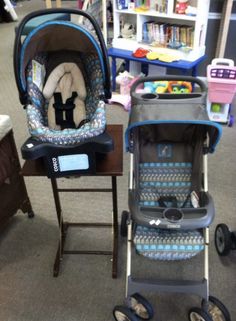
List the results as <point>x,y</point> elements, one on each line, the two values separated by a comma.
<point>18,44</point>
<point>189,79</point>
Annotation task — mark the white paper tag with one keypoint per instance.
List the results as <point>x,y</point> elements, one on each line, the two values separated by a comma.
<point>38,74</point>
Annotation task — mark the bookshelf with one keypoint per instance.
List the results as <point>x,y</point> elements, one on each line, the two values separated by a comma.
<point>158,21</point>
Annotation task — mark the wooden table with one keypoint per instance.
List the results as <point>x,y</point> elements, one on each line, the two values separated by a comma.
<point>110,165</point>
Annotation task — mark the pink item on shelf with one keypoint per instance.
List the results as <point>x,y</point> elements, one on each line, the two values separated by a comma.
<point>221,77</point>
<point>125,80</point>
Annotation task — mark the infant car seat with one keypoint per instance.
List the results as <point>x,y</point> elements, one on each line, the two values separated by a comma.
<point>62,74</point>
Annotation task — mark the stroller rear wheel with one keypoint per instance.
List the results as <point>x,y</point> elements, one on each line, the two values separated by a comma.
<point>198,314</point>
<point>217,310</point>
<point>141,307</point>
<point>122,313</point>
<point>222,239</point>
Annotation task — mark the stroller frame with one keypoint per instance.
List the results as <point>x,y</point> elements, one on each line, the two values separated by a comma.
<point>144,112</point>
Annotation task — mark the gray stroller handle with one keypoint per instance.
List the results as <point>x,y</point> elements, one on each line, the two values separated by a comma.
<point>193,80</point>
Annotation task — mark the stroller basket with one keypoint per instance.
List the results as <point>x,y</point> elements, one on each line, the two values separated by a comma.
<point>62,74</point>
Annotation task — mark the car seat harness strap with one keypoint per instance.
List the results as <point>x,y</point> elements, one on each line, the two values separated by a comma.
<point>66,109</point>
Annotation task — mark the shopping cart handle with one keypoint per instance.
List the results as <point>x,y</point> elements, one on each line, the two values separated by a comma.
<point>222,61</point>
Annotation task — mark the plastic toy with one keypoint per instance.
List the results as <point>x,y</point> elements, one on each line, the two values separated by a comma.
<point>181,6</point>
<point>125,80</point>
<point>179,87</point>
<point>161,86</point>
<point>128,30</point>
<point>221,77</point>
<point>152,55</point>
<point>216,108</point>
<point>140,53</point>
<point>158,87</point>
<point>191,11</point>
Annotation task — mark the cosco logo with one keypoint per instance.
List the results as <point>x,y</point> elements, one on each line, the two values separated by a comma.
<point>55,164</point>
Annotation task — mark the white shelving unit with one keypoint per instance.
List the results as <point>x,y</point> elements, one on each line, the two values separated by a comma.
<point>198,22</point>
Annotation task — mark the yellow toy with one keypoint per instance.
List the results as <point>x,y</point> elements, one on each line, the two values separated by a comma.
<point>161,86</point>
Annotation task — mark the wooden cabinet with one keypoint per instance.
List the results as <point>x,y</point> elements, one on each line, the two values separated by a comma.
<point>13,193</point>
<point>167,26</point>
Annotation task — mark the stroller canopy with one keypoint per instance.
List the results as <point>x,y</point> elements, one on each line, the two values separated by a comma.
<point>174,113</point>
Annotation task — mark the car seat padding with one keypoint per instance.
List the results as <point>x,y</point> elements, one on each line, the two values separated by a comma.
<point>65,79</point>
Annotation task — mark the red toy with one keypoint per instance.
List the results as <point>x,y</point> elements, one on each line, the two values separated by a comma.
<point>181,6</point>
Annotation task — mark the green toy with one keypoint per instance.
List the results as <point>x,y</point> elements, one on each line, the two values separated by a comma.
<point>216,108</point>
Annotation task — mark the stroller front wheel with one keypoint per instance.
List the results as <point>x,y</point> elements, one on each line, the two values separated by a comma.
<point>217,310</point>
<point>122,313</point>
<point>198,314</point>
<point>141,307</point>
<point>222,239</point>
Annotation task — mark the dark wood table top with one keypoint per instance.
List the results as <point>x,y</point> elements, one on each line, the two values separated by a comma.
<point>111,164</point>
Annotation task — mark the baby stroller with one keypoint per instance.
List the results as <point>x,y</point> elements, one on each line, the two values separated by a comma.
<point>169,137</point>
<point>63,78</point>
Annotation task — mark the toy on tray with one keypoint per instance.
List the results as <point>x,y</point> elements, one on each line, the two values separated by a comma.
<point>125,80</point>
<point>221,77</point>
<point>172,87</point>
<point>179,87</point>
<point>158,87</point>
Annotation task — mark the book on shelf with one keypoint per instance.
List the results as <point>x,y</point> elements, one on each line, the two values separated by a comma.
<point>167,35</point>
<point>161,6</point>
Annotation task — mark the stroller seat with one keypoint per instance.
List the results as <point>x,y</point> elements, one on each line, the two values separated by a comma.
<point>166,184</point>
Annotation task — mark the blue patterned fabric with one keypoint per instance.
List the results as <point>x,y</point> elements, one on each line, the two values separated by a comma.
<point>167,245</point>
<point>157,180</point>
<point>164,180</point>
<point>95,108</point>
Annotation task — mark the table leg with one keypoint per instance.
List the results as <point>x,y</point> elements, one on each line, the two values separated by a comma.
<point>115,227</point>
<point>194,71</point>
<point>113,71</point>
<point>62,231</point>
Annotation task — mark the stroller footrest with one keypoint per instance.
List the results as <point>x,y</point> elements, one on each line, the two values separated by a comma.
<point>199,288</point>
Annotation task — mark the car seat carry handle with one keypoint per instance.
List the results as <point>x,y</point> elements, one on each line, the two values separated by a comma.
<point>18,44</point>
<point>193,80</point>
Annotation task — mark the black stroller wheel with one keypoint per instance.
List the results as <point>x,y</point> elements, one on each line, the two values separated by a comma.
<point>123,224</point>
<point>122,313</point>
<point>217,310</point>
<point>198,314</point>
<point>222,239</point>
<point>141,307</point>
